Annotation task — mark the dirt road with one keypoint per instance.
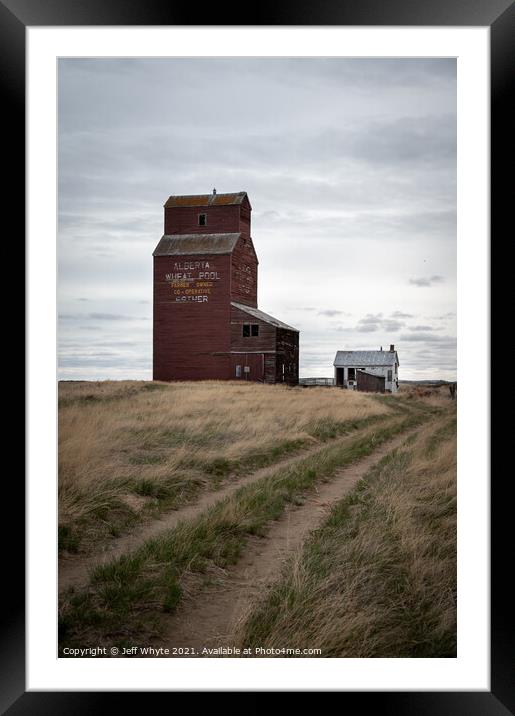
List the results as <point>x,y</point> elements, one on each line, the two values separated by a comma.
<point>209,617</point>
<point>75,570</point>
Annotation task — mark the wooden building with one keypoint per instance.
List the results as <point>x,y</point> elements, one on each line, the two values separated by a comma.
<point>384,365</point>
<point>206,321</point>
<point>368,382</point>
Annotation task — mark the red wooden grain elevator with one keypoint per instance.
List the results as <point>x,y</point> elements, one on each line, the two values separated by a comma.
<point>206,321</point>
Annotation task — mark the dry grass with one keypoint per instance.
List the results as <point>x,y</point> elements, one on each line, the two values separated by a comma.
<point>126,597</point>
<point>378,579</point>
<point>433,395</point>
<point>164,442</point>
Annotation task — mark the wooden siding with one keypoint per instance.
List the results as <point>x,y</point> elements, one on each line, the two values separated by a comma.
<point>245,211</point>
<point>368,383</point>
<point>198,335</point>
<point>191,317</point>
<point>265,353</point>
<point>220,220</point>
<point>287,363</point>
<point>266,341</point>
<point>244,272</point>
<point>253,362</point>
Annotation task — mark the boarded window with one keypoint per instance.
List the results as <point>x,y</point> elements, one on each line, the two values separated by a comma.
<point>238,371</point>
<point>246,330</point>
<point>255,329</point>
<point>202,219</point>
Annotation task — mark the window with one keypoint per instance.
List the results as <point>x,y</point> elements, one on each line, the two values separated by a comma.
<point>238,371</point>
<point>352,374</point>
<point>250,329</point>
<point>202,219</point>
<point>389,375</point>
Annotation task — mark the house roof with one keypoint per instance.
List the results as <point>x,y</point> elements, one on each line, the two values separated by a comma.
<point>185,244</point>
<point>206,199</point>
<point>367,359</point>
<point>260,315</point>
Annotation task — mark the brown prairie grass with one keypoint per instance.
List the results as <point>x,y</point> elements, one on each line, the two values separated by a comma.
<point>126,597</point>
<point>162,443</point>
<point>378,579</point>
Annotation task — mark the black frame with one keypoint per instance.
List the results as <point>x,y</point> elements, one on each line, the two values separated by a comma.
<point>499,15</point>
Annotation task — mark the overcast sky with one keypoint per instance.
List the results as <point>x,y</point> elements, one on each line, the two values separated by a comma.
<point>350,167</point>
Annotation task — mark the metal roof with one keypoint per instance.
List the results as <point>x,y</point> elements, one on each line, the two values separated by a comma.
<point>256,313</point>
<point>206,199</point>
<point>185,244</point>
<point>367,359</point>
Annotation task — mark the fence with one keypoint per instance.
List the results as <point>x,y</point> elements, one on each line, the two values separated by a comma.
<point>308,382</point>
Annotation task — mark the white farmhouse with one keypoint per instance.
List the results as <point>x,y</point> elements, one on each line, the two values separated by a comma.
<point>375,371</point>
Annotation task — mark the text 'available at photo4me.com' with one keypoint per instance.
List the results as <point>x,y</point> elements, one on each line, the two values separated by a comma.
<point>186,651</point>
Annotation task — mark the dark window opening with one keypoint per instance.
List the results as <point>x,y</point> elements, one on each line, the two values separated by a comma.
<point>250,329</point>
<point>389,375</point>
<point>351,374</point>
<point>202,219</point>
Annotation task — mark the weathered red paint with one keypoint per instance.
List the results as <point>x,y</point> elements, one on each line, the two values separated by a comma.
<point>198,334</point>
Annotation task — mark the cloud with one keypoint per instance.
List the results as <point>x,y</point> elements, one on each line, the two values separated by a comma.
<point>347,162</point>
<point>372,323</point>
<point>400,314</point>
<point>331,313</point>
<point>100,317</point>
<point>420,328</point>
<point>368,328</point>
<point>391,326</point>
<point>445,316</point>
<point>426,281</point>
<point>372,318</point>
<point>427,338</point>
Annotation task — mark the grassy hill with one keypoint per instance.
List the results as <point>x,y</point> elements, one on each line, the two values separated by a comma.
<point>176,500</point>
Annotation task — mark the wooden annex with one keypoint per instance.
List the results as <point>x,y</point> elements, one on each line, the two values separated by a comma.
<point>206,321</point>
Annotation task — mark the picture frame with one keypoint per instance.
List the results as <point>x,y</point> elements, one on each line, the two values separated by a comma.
<point>499,16</point>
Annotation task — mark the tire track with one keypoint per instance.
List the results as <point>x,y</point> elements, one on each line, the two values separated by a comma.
<point>209,617</point>
<point>75,571</point>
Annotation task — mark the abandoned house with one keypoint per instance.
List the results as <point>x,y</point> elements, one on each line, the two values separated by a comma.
<point>206,321</point>
<point>371,371</point>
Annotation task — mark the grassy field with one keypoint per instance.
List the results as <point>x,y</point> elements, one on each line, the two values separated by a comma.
<point>377,578</point>
<point>127,449</point>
